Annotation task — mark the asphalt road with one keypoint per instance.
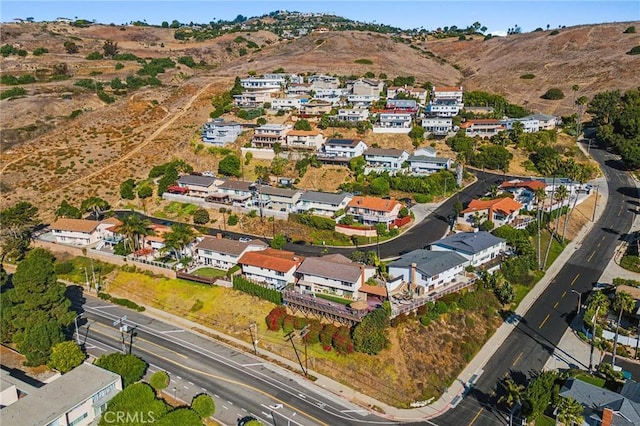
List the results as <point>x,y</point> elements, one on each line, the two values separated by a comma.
<point>533,340</point>
<point>240,383</point>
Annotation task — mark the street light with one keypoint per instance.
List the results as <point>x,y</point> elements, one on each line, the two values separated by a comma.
<point>593,337</point>
<point>75,320</point>
<point>579,300</point>
<point>254,340</point>
<point>86,278</point>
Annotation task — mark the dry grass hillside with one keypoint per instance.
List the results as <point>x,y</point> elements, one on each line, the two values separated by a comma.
<point>590,56</point>
<point>49,154</point>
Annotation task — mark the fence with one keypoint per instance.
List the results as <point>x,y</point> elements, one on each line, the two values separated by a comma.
<point>196,278</point>
<point>216,206</point>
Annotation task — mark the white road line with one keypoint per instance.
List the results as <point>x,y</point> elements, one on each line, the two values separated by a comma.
<point>172,331</point>
<point>186,387</point>
<point>253,365</point>
<point>191,383</point>
<point>230,403</point>
<point>225,407</point>
<point>268,415</point>
<point>178,377</point>
<point>216,395</point>
<point>104,306</point>
<point>203,389</point>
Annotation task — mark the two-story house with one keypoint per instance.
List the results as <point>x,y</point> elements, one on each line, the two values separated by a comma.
<point>251,99</point>
<point>524,191</point>
<point>323,203</point>
<point>315,107</point>
<point>220,132</point>
<point>82,232</point>
<point>427,164</point>
<point>321,81</point>
<point>373,210</point>
<point>529,125</point>
<point>330,95</point>
<point>545,121</point>
<point>274,268</point>
<point>199,186</point>
<point>299,89</point>
<point>443,107</point>
<point>305,139</point>
<point>280,199</point>
<point>477,247</point>
<point>393,123</point>
<point>362,100</point>
<point>426,270</point>
<point>224,253</point>
<point>409,106</point>
<point>352,115</point>
<point>482,127</point>
<point>333,274</point>
<point>267,135</point>
<point>237,192</point>
<point>343,148</point>
<point>366,87</point>
<point>439,126</point>
<point>385,160</point>
<point>288,103</point>
<point>500,211</point>
<point>447,92</point>
<point>415,92</point>
<point>270,83</point>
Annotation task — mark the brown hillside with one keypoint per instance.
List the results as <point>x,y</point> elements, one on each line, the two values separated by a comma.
<point>591,56</point>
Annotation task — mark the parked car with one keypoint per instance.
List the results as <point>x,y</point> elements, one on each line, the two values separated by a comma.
<point>244,239</point>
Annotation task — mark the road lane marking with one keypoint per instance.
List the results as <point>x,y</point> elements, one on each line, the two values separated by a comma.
<point>225,407</point>
<point>476,416</point>
<point>517,359</point>
<point>556,305</point>
<point>141,339</point>
<point>253,365</point>
<point>576,277</point>
<point>543,321</point>
<point>172,331</point>
<point>564,294</point>
<point>592,254</point>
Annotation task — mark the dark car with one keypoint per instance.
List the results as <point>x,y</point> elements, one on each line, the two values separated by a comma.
<point>246,419</point>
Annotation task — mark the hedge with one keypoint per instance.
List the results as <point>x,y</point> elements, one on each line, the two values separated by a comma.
<point>257,290</point>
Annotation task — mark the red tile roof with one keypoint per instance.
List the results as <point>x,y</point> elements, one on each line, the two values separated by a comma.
<point>504,205</point>
<point>75,225</point>
<point>529,184</point>
<point>447,89</point>
<point>373,289</point>
<point>373,203</point>
<point>276,260</point>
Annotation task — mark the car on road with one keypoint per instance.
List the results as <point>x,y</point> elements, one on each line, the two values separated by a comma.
<point>246,419</point>
<point>244,239</point>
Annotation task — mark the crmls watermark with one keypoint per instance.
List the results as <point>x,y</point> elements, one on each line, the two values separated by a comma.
<point>128,417</point>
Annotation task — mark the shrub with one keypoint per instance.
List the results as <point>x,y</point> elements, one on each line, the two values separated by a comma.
<point>553,94</point>
<point>287,323</point>
<point>317,222</point>
<point>634,51</point>
<point>313,336</point>
<point>203,405</point>
<point>14,92</point>
<point>527,76</point>
<point>64,268</point>
<point>364,61</point>
<point>187,60</point>
<point>39,51</point>
<point>94,56</point>
<point>159,380</point>
<point>326,335</point>
<point>554,32</point>
<point>201,217</point>
<point>265,293</point>
<point>275,318</point>
<point>341,340</point>
<point>66,356</point>
<point>423,198</point>
<point>300,322</point>
<point>232,220</point>
<point>629,30</point>
<point>129,367</point>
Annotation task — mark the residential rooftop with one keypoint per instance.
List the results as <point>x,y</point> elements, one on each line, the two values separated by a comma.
<point>205,181</point>
<point>469,242</point>
<point>227,246</point>
<point>74,225</point>
<point>332,268</point>
<point>429,262</point>
<point>373,203</point>
<point>324,197</point>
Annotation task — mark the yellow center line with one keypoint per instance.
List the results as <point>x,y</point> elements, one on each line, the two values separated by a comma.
<point>592,254</point>
<point>564,294</point>
<point>543,321</point>
<point>476,416</point>
<point>556,305</point>
<point>141,340</point>
<point>517,359</point>
<point>576,277</point>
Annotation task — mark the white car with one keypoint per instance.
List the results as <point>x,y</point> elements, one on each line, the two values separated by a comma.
<point>244,239</point>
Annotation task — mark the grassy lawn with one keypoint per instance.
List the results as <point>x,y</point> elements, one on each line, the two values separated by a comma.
<point>545,421</point>
<point>336,299</point>
<point>520,292</point>
<point>209,273</point>
<point>84,269</point>
<point>596,381</point>
<point>556,247</point>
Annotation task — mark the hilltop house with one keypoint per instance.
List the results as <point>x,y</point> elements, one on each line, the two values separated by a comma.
<point>373,210</point>
<point>330,95</point>
<point>366,87</point>
<point>477,247</point>
<point>281,199</point>
<point>362,100</point>
<point>268,135</point>
<point>426,270</point>
<point>402,105</point>
<point>82,232</point>
<point>321,81</point>
<point>393,123</point>
<point>251,99</point>
<point>220,132</point>
<point>352,115</point>
<point>443,107</point>
<point>224,253</point>
<point>482,127</point>
<point>288,103</point>
<point>305,139</point>
<point>529,125</point>
<point>426,164</point>
<point>384,160</point>
<point>523,191</point>
<point>447,92</point>
<point>545,121</point>
<point>236,192</point>
<point>267,83</point>
<point>342,150</point>
<point>415,92</point>
<point>333,274</point>
<point>322,203</point>
<point>274,268</point>
<point>299,89</point>
<point>315,107</point>
<point>199,186</point>
<point>439,126</point>
<point>500,211</point>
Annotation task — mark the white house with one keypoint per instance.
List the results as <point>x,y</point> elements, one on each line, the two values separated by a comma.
<point>439,126</point>
<point>330,94</point>
<point>237,192</point>
<point>224,253</point>
<point>344,148</point>
<point>477,247</point>
<point>333,274</point>
<point>82,232</point>
<point>448,92</point>
<point>426,164</point>
<point>271,83</point>
<point>393,123</point>
<point>373,210</point>
<point>274,268</point>
<point>384,160</point>
<point>251,99</point>
<point>530,125</point>
<point>220,132</point>
<point>362,100</point>
<point>545,121</point>
<point>321,81</point>
<point>299,89</point>
<point>322,203</point>
<point>288,103</point>
<point>402,105</point>
<point>426,270</point>
<point>523,191</point>
<point>76,398</point>
<point>268,135</point>
<point>482,127</point>
<point>352,115</point>
<point>280,199</point>
<point>366,86</point>
<point>500,211</point>
<point>305,139</point>
<point>315,107</point>
<point>199,186</point>
<point>415,92</point>
<point>444,107</point>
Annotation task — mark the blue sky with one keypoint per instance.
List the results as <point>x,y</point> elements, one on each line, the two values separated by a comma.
<point>497,16</point>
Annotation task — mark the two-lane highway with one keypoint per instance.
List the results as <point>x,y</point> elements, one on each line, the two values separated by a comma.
<point>534,338</point>
<point>241,383</point>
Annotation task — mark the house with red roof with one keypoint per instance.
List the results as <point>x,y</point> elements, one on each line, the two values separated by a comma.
<point>500,211</point>
<point>482,127</point>
<point>273,268</point>
<point>373,210</point>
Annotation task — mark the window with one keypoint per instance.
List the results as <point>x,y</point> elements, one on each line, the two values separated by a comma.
<point>79,419</point>
<point>101,394</point>
<point>279,274</point>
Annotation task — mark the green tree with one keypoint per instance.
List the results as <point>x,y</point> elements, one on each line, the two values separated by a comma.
<point>623,303</point>
<point>18,222</point>
<point>513,392</point>
<point>145,191</point>
<point>159,380</point>
<point>130,367</point>
<point>302,124</point>
<point>370,336</point>
<point>379,186</point>
<point>277,165</point>
<point>553,94</point>
<point>67,210</point>
<point>66,356</point>
<point>570,411</point>
<point>38,339</point>
<point>126,189</point>
<point>135,399</point>
<point>201,217</point>
<point>203,405</point>
<point>180,236</point>
<point>182,416</point>
<point>133,228</point>
<point>95,205</point>
<point>233,220</point>
<point>278,242</point>
<point>538,394</point>
<point>230,166</point>
<point>70,47</point>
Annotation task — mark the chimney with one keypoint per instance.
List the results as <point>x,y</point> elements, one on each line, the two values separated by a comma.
<point>219,236</point>
<point>412,277</point>
<point>607,417</point>
<point>361,275</point>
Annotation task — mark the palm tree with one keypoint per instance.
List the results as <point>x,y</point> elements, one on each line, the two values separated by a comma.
<point>581,175</point>
<point>540,195</point>
<point>133,227</point>
<point>95,205</point>
<point>178,238</point>
<point>625,303</point>
<point>575,89</point>
<point>570,411</point>
<point>553,196</point>
<point>561,194</point>
<point>224,219</point>
<point>513,392</point>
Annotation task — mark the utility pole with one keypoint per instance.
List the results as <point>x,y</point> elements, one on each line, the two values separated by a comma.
<point>254,340</point>
<point>593,337</point>
<point>132,334</point>
<point>302,334</point>
<point>123,329</point>
<point>75,320</point>
<point>593,219</point>
<point>289,337</point>
<point>579,300</point>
